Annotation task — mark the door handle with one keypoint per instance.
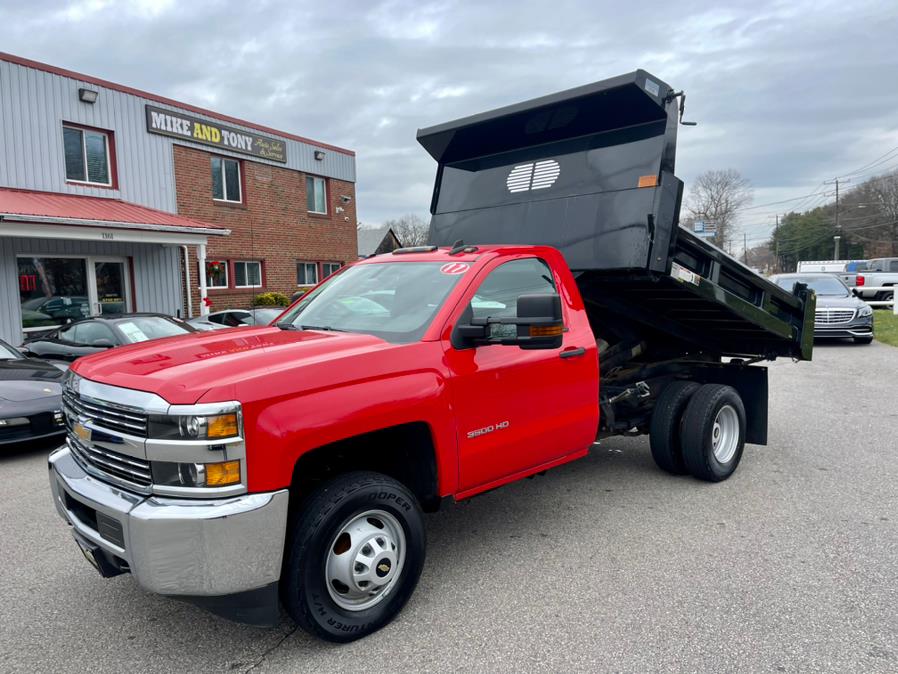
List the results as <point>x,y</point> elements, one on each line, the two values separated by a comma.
<point>573,353</point>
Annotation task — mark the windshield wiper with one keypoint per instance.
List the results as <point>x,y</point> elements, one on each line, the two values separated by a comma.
<point>326,328</point>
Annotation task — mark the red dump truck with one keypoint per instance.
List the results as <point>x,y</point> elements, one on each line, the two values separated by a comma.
<point>559,303</point>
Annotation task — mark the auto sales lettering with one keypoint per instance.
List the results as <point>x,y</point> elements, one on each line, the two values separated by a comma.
<point>176,125</point>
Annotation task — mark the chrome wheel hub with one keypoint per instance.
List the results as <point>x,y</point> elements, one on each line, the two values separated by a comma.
<point>725,434</point>
<point>365,560</point>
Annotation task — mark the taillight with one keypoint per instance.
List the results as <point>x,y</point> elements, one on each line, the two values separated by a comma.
<point>859,281</point>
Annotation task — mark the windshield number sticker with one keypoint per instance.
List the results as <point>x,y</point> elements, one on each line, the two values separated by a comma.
<point>454,268</point>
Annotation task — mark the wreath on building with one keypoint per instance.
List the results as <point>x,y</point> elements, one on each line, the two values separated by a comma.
<point>216,267</point>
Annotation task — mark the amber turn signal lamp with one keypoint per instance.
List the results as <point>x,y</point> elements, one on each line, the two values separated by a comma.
<point>546,330</point>
<point>222,474</point>
<point>222,426</point>
<point>648,181</point>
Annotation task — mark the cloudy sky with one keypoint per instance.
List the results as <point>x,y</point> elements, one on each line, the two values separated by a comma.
<point>789,93</point>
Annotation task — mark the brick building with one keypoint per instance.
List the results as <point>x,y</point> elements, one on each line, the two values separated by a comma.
<point>114,199</point>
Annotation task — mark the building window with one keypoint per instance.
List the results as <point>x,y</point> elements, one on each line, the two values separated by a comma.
<point>52,291</point>
<point>328,268</point>
<point>216,273</point>
<point>86,156</point>
<point>226,180</point>
<point>316,195</point>
<point>306,273</point>
<point>247,274</point>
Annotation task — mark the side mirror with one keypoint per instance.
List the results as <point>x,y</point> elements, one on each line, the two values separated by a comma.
<point>538,325</point>
<point>855,292</point>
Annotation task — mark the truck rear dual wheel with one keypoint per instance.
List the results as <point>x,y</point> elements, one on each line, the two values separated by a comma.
<point>712,432</point>
<point>355,556</point>
<point>664,428</point>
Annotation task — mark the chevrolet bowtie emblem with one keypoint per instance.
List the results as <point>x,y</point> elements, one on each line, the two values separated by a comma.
<point>383,568</point>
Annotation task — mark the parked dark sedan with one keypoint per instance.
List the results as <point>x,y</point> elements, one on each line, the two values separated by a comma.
<point>30,397</point>
<point>103,332</point>
<point>839,313</point>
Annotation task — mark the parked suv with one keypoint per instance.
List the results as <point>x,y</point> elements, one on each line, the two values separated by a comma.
<point>839,313</point>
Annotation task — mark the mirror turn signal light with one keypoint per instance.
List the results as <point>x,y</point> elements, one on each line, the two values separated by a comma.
<point>648,181</point>
<point>546,330</point>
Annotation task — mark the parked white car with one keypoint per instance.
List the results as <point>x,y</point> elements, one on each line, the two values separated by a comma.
<point>236,318</point>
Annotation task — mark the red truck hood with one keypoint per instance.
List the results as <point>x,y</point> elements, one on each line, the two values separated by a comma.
<point>182,369</point>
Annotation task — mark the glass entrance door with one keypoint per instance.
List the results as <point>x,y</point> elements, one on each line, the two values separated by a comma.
<point>109,291</point>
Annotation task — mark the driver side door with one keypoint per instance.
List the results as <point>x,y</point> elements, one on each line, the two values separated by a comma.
<point>519,409</point>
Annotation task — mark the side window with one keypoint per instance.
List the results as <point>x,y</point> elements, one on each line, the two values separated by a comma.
<point>90,332</point>
<point>498,295</point>
<point>234,319</point>
<point>893,265</point>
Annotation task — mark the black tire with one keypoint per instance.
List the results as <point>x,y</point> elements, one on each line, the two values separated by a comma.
<point>698,429</point>
<point>664,429</point>
<point>863,340</point>
<point>304,585</point>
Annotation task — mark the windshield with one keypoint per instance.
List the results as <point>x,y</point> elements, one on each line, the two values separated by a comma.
<point>8,353</point>
<point>395,301</point>
<point>819,284</point>
<point>142,328</point>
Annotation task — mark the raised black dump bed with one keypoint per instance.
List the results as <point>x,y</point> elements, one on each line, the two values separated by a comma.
<point>590,171</point>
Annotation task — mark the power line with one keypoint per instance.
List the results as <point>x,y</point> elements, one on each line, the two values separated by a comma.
<point>774,203</point>
<point>879,160</point>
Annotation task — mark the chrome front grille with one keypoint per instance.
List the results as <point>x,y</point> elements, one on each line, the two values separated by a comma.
<point>128,468</point>
<point>103,414</point>
<point>833,316</point>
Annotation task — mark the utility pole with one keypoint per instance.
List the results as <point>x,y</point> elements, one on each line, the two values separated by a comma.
<point>745,247</point>
<point>776,245</point>
<point>838,235</point>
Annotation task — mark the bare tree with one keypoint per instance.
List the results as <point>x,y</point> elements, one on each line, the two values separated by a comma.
<point>884,193</point>
<point>715,197</point>
<point>410,229</point>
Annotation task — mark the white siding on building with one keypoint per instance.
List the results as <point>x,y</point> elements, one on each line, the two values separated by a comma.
<point>157,274</point>
<point>35,103</point>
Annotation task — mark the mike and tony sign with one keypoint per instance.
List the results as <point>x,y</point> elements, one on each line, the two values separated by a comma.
<point>186,127</point>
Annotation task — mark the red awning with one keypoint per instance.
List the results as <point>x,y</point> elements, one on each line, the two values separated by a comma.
<point>72,209</point>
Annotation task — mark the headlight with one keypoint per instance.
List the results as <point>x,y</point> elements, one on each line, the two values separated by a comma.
<point>193,426</point>
<point>865,310</point>
<point>172,474</point>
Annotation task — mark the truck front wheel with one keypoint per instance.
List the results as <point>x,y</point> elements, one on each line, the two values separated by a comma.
<point>713,432</point>
<point>355,557</point>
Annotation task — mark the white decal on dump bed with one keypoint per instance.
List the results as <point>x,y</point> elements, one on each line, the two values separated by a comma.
<point>680,273</point>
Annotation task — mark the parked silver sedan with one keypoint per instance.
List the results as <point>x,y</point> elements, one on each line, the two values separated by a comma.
<point>839,314</point>
<point>236,318</point>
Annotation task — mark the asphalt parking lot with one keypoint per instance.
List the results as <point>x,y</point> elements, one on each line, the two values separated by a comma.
<point>606,564</point>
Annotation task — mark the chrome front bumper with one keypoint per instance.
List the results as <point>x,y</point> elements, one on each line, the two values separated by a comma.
<point>175,546</point>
